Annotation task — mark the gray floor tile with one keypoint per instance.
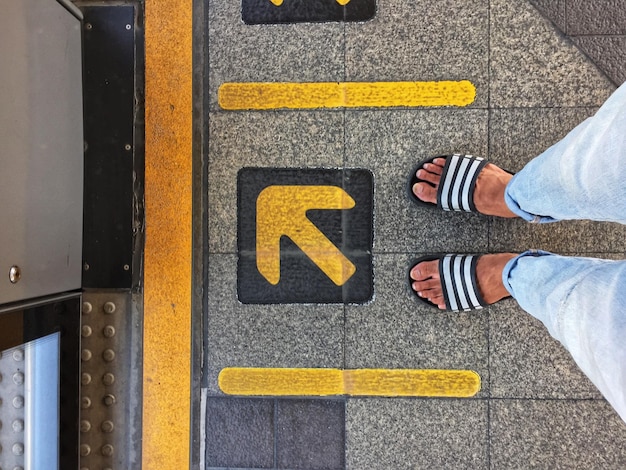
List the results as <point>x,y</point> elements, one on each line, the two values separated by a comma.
<point>554,10</point>
<point>526,362</point>
<point>409,434</point>
<point>608,52</point>
<point>596,17</point>
<point>239,433</point>
<point>396,331</point>
<point>417,41</point>
<point>266,335</point>
<point>555,434</point>
<point>390,143</point>
<point>518,135</point>
<point>311,434</point>
<point>270,139</point>
<point>531,64</point>
<point>274,53</point>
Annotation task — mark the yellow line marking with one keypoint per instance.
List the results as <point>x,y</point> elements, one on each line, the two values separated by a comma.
<point>281,210</point>
<point>168,199</point>
<point>280,2</point>
<point>356,382</point>
<point>263,96</point>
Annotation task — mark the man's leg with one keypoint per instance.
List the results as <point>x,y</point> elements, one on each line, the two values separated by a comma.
<point>581,177</point>
<point>582,302</point>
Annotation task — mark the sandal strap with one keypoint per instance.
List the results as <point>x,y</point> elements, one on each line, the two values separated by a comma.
<point>456,191</point>
<point>460,286</point>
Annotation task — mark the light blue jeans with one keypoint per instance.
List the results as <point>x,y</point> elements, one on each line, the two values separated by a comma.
<point>581,301</point>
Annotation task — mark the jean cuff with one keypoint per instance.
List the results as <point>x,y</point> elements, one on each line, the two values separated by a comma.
<point>517,210</point>
<point>506,272</point>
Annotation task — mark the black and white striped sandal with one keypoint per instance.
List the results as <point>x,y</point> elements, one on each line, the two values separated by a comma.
<point>458,182</point>
<point>458,280</point>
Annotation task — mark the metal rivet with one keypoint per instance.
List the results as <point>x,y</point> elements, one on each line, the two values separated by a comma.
<point>86,267</point>
<point>85,331</point>
<point>108,331</point>
<point>128,26</point>
<point>107,450</point>
<point>109,400</point>
<point>18,402</point>
<point>126,267</point>
<point>85,450</point>
<point>87,307</point>
<point>85,378</point>
<point>128,147</point>
<point>85,355</point>
<point>88,26</point>
<point>85,403</point>
<point>108,355</point>
<point>15,274</point>
<point>18,355</point>
<point>18,425</point>
<point>109,307</point>
<point>85,426</point>
<point>108,379</point>
<point>18,378</point>
<point>18,448</point>
<point>107,426</point>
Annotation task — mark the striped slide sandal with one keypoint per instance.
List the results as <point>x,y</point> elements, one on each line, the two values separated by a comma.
<point>458,280</point>
<point>458,182</point>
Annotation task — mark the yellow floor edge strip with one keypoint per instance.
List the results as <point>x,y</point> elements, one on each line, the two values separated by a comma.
<point>264,96</point>
<point>357,382</point>
<point>167,274</point>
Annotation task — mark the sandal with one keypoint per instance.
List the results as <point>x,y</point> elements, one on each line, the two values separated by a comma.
<point>456,193</point>
<point>458,280</point>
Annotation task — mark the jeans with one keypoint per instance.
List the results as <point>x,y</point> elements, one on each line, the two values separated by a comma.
<point>581,301</point>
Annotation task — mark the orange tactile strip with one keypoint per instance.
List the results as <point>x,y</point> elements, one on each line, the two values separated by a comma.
<point>167,291</point>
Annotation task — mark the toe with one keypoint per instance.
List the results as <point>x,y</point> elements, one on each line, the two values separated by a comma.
<point>425,192</point>
<point>425,270</point>
<point>424,174</point>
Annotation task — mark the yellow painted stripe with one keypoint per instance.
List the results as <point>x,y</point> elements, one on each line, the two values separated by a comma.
<point>280,382</point>
<point>167,274</point>
<point>263,96</point>
<point>412,382</point>
<point>357,382</point>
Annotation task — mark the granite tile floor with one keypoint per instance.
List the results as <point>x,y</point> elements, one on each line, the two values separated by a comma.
<point>535,408</point>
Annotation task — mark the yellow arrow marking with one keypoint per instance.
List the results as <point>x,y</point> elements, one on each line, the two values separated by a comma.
<point>343,2</point>
<point>356,382</point>
<point>281,210</point>
<point>262,96</point>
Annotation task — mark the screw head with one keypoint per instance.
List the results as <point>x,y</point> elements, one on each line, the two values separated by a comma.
<point>15,274</point>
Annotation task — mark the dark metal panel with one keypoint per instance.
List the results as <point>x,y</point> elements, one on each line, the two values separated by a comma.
<point>109,97</point>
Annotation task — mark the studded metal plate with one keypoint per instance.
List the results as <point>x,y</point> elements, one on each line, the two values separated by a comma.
<point>110,432</point>
<point>12,402</point>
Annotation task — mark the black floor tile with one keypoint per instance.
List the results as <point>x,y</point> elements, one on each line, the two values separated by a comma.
<point>311,434</point>
<point>239,433</point>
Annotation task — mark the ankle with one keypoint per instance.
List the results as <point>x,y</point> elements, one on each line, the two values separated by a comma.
<point>489,273</point>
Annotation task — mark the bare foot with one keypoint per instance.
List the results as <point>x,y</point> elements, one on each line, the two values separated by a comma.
<point>427,282</point>
<point>489,193</point>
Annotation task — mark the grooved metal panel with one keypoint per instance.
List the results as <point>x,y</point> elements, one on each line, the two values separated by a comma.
<point>41,149</point>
